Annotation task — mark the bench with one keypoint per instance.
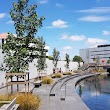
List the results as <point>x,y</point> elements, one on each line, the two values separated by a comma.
<point>37,83</point>
<point>11,106</point>
<point>30,90</point>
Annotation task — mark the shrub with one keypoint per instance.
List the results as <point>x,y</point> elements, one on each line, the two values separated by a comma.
<point>101,70</point>
<point>108,70</point>
<point>98,70</point>
<point>26,101</point>
<point>47,80</point>
<point>4,98</point>
<point>58,75</point>
<point>77,71</point>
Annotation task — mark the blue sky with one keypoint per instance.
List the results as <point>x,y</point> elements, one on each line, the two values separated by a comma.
<point>69,25</point>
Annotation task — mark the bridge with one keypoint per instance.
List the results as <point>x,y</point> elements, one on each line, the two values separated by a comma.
<point>94,65</point>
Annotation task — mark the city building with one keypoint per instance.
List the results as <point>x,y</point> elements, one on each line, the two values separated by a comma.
<point>99,54</point>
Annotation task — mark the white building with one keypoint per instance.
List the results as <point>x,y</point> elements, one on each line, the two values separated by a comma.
<point>100,54</point>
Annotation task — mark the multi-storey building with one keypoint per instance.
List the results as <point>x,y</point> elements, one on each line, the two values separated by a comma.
<point>99,54</point>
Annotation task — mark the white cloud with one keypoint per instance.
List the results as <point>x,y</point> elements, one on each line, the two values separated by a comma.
<point>59,24</point>
<point>94,18</point>
<point>64,36</point>
<point>96,41</point>
<point>10,22</point>
<point>67,48</point>
<point>96,10</point>
<point>43,1</point>
<point>106,32</point>
<point>73,37</point>
<point>2,15</point>
<point>59,5</point>
<point>77,37</point>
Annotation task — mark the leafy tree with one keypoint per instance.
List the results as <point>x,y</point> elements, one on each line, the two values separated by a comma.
<point>78,59</point>
<point>41,60</point>
<point>50,57</point>
<point>18,51</point>
<point>55,56</point>
<point>108,61</point>
<point>67,59</point>
<point>25,19</point>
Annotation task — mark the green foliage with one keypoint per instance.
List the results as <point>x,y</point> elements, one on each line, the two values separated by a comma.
<point>55,56</point>
<point>67,59</point>
<point>108,70</point>
<point>17,50</point>
<point>58,75</point>
<point>77,59</point>
<point>108,61</point>
<point>41,60</point>
<point>50,57</point>
<point>16,55</point>
<point>25,18</point>
<point>47,80</point>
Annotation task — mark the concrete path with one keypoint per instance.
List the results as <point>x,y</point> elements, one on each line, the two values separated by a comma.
<point>67,91</point>
<point>72,100</point>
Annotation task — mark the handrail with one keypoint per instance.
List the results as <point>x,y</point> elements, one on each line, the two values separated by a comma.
<point>56,83</point>
<point>59,81</point>
<point>73,76</point>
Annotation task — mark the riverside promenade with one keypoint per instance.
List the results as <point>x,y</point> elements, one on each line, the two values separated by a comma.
<point>65,97</point>
<point>64,90</point>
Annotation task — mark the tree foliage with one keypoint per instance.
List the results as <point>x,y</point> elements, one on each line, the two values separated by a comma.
<point>77,59</point>
<point>50,57</point>
<point>20,50</point>
<point>108,61</point>
<point>41,60</point>
<point>25,18</point>
<point>67,59</point>
<point>56,56</point>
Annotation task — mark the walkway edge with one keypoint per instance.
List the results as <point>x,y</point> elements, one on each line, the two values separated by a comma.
<point>79,100</point>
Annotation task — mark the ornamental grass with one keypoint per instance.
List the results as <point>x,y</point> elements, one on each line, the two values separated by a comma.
<point>25,101</point>
<point>47,80</point>
<point>58,75</point>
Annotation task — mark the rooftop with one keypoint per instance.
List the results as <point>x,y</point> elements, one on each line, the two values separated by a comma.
<point>3,36</point>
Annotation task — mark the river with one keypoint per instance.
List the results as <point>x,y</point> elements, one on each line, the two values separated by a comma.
<point>95,92</point>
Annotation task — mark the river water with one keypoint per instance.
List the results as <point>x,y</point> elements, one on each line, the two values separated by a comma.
<point>95,92</point>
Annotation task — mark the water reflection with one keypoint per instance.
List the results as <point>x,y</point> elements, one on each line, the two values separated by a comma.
<point>95,92</point>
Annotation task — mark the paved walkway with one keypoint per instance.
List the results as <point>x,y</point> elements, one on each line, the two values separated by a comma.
<point>64,89</point>
<point>72,100</point>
